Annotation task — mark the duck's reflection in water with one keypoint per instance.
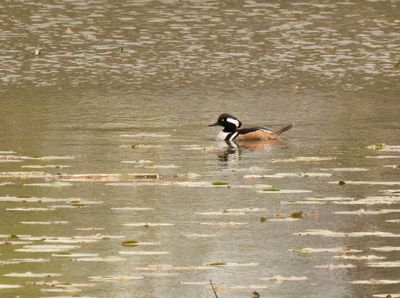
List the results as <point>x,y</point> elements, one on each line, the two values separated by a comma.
<point>230,151</point>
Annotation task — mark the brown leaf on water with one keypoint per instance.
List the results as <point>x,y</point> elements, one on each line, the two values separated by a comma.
<point>297,214</point>
<point>263,219</point>
<point>278,215</point>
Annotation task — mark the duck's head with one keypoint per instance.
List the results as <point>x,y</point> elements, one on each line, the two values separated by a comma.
<point>229,122</point>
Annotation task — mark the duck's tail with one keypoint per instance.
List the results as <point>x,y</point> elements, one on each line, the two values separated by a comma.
<point>283,129</point>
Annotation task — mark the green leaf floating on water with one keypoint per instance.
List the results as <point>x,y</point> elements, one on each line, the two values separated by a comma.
<point>129,243</point>
<point>273,188</point>
<point>219,183</point>
<point>13,236</point>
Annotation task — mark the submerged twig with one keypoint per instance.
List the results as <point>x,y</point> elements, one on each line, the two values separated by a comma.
<point>212,286</point>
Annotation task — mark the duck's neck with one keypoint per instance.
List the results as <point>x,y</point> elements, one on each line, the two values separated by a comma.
<point>227,135</point>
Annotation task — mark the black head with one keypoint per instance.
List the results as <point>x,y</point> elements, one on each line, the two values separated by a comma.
<point>229,122</point>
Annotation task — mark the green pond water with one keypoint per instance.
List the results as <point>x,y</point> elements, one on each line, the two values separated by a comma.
<point>127,88</point>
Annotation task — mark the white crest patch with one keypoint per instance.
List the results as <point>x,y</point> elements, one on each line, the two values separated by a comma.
<point>233,121</point>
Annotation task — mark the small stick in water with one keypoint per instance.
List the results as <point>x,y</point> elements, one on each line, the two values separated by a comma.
<point>212,286</point>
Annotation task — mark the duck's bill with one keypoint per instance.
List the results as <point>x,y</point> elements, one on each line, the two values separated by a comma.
<point>215,124</point>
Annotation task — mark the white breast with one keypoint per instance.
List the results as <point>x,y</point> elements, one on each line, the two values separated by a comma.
<point>222,136</point>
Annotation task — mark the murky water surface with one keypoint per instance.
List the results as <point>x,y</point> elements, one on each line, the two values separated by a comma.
<point>111,184</point>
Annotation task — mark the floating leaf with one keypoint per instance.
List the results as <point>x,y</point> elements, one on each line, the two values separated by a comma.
<point>129,243</point>
<point>216,264</point>
<point>219,183</point>
<point>297,214</point>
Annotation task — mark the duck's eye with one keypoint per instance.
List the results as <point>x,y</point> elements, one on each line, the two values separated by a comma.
<point>222,120</point>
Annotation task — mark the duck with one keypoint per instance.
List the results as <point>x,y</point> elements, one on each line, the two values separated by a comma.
<point>232,131</point>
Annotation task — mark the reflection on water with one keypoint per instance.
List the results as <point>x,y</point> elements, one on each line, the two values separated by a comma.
<point>353,44</point>
<point>127,89</point>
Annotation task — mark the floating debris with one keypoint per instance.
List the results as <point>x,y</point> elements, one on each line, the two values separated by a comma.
<point>378,200</point>
<point>61,222</point>
<point>30,209</point>
<point>138,243</point>
<point>280,278</point>
<point>138,162</point>
<point>284,191</point>
<point>200,235</point>
<point>45,166</point>
<point>144,176</point>
<point>75,255</point>
<point>224,224</point>
<point>47,248</point>
<point>359,258</point>
<point>4,286</point>
<point>141,253</point>
<point>341,250</point>
<point>303,202</point>
<point>345,169</point>
<point>386,295</point>
<point>28,260</point>
<point>100,259</point>
<point>304,159</point>
<point>27,199</point>
<point>145,135</point>
<point>384,147</point>
<point>368,182</point>
<point>392,264</point>
<point>90,177</point>
<point>131,208</point>
<point>281,219</point>
<point>327,233</point>
<point>373,281</point>
<point>386,248</point>
<point>170,166</point>
<point>30,274</point>
<point>367,212</point>
<point>89,229</point>
<point>255,209</point>
<point>383,156</point>
<point>231,264</point>
<point>6,183</point>
<point>115,278</point>
<point>148,224</point>
<point>49,184</point>
<point>290,175</point>
<point>26,175</point>
<point>339,266</point>
<point>222,212</point>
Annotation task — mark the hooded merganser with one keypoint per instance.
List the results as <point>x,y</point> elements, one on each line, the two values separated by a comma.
<point>231,131</point>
